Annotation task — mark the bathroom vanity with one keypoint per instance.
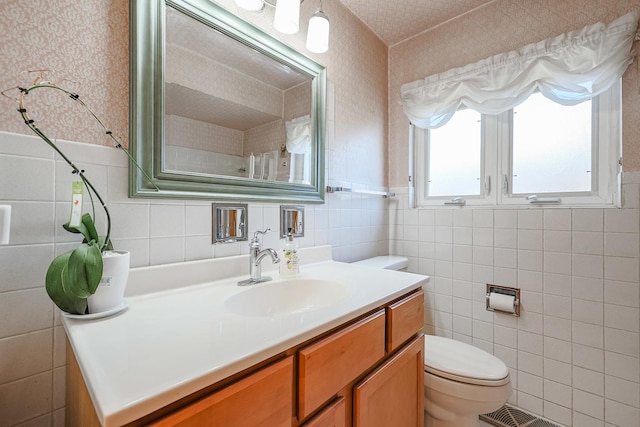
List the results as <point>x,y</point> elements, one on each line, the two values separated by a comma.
<point>338,345</point>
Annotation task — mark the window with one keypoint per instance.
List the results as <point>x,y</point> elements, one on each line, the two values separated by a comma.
<point>452,160</point>
<point>551,147</point>
<point>455,150</point>
<point>540,152</point>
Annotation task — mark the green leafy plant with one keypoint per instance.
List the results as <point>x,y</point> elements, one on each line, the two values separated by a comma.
<point>75,275</point>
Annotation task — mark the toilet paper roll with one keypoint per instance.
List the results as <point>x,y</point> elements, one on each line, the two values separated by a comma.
<point>502,302</point>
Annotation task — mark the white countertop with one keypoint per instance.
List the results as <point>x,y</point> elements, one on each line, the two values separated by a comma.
<point>169,344</point>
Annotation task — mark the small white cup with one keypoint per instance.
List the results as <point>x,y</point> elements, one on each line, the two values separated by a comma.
<point>115,274</point>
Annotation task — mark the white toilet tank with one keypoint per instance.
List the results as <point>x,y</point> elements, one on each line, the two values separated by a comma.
<point>387,262</point>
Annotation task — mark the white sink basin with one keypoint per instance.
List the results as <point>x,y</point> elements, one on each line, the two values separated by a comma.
<point>286,297</point>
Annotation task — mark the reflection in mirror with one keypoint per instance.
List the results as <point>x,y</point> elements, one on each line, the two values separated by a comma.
<point>221,109</point>
<point>230,222</point>
<point>230,110</point>
<point>292,218</point>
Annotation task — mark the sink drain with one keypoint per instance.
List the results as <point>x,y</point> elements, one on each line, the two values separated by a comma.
<point>508,416</point>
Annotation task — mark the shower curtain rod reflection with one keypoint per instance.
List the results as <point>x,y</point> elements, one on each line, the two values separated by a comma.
<point>335,189</point>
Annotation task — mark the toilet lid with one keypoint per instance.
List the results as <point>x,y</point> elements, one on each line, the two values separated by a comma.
<point>462,362</point>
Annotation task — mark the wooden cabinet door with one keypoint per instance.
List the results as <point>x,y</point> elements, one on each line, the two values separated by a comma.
<point>264,398</point>
<point>392,395</point>
<point>404,319</point>
<point>328,365</point>
<point>333,415</point>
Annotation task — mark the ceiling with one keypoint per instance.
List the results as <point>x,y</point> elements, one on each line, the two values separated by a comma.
<point>397,20</point>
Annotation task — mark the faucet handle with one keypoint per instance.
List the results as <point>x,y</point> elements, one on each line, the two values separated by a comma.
<point>255,235</point>
<point>256,238</point>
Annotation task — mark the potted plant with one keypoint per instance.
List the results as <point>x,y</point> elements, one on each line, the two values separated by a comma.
<point>73,279</point>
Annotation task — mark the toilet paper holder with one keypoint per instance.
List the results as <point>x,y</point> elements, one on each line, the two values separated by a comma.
<point>504,290</point>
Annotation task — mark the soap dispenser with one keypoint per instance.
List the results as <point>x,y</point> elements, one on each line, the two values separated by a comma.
<point>291,264</point>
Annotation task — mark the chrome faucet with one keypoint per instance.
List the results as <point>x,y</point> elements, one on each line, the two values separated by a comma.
<point>255,258</point>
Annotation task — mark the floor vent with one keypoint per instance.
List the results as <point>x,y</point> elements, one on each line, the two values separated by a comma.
<point>508,416</point>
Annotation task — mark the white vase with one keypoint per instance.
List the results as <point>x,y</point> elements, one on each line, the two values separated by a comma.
<point>110,292</point>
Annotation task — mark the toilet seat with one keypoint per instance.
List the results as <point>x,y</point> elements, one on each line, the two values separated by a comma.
<point>464,363</point>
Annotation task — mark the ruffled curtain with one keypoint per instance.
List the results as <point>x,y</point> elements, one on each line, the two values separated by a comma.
<point>568,69</point>
<point>298,134</point>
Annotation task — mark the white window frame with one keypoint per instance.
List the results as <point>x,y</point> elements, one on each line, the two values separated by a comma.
<point>487,164</point>
<point>496,163</point>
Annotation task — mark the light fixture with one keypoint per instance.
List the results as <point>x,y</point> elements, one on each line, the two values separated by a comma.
<point>252,5</point>
<point>318,32</point>
<point>287,20</point>
<point>287,16</point>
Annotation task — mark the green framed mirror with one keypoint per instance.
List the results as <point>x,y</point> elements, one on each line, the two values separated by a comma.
<point>221,110</point>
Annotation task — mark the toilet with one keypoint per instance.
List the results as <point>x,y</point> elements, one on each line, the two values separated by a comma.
<point>386,262</point>
<point>460,381</point>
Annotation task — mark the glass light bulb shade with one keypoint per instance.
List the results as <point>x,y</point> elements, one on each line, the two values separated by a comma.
<point>252,5</point>
<point>287,17</point>
<point>318,33</point>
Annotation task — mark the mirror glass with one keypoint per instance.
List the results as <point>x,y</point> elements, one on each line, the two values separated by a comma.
<point>222,109</point>
<point>230,222</point>
<point>291,221</point>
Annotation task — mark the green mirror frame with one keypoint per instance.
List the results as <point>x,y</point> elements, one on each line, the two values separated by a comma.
<point>147,109</point>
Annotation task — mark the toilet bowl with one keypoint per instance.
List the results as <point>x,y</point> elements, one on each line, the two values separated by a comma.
<point>460,381</point>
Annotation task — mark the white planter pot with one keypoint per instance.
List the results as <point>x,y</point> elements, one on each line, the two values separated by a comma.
<point>110,292</point>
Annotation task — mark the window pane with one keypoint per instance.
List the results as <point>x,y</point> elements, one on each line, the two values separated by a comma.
<point>454,160</point>
<point>551,147</point>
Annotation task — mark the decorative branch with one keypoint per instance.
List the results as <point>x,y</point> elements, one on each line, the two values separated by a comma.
<point>40,83</point>
<point>75,275</point>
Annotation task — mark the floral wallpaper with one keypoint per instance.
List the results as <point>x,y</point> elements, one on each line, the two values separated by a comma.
<point>86,44</point>
<point>87,41</point>
<point>500,26</point>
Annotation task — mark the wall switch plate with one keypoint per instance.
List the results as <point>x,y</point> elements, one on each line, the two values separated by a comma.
<point>5,224</point>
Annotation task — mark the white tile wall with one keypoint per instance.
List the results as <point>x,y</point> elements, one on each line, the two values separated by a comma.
<point>32,340</point>
<point>574,353</point>
<point>26,398</point>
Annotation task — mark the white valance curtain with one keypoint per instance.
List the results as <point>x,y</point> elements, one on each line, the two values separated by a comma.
<point>299,145</point>
<point>568,69</point>
<point>298,134</point>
